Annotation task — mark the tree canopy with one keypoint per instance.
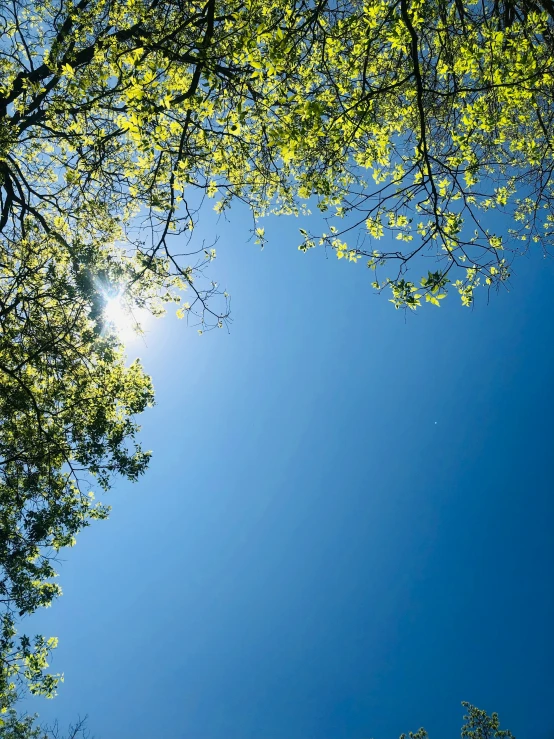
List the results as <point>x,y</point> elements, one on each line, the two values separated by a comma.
<point>67,401</point>
<point>409,118</point>
<point>409,124</point>
<point>477,725</point>
<point>26,727</point>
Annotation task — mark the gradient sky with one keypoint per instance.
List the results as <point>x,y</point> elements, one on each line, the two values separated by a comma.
<point>347,524</point>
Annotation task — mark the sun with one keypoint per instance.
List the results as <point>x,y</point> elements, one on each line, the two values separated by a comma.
<point>126,323</point>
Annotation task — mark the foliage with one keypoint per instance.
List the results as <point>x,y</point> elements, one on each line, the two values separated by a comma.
<point>412,119</point>
<point>67,402</point>
<point>480,726</point>
<point>26,727</point>
<point>477,725</point>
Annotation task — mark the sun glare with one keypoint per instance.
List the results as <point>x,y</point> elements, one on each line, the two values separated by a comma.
<point>125,322</point>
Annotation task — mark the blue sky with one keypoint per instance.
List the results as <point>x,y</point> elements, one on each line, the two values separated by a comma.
<point>346,528</point>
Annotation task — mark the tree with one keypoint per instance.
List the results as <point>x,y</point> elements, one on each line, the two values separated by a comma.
<point>414,118</point>
<point>480,726</point>
<point>477,725</point>
<point>118,120</point>
<point>26,727</point>
<point>67,402</point>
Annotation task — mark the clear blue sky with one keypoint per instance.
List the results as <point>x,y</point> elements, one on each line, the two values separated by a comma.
<point>347,525</point>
